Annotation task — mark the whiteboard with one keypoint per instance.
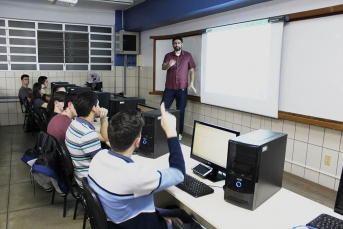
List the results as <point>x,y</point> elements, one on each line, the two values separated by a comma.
<point>190,44</point>
<point>312,68</point>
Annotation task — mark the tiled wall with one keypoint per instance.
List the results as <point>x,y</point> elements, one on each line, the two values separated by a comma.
<point>10,113</point>
<point>306,145</point>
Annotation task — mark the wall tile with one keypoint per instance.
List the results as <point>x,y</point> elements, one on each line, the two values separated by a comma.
<point>17,83</point>
<point>298,170</point>
<point>245,130</point>
<point>314,156</point>
<point>229,125</point>
<point>4,119</point>
<point>266,123</point>
<point>119,71</point>
<point>327,181</point>
<point>289,128</point>
<point>214,112</point>
<point>332,139</point>
<point>311,175</point>
<point>237,127</point>
<point>237,117</point>
<point>289,149</point>
<point>2,74</point>
<point>299,153</point>
<point>196,107</point>
<point>221,113</point>
<point>332,169</point>
<point>229,115</point>
<point>76,80</point>
<point>208,119</point>
<point>119,81</point>
<point>341,147</point>
<point>277,125</point>
<point>316,135</point>
<point>214,121</point>
<point>12,108</point>
<point>10,84</point>
<point>3,108</point>
<point>3,92</point>
<point>336,184</point>
<point>339,164</point>
<point>287,167</point>
<point>10,74</point>
<point>246,119</point>
<point>301,132</point>
<point>221,123</point>
<point>13,118</point>
<point>256,122</point>
<point>201,118</point>
<point>12,92</point>
<point>21,117</point>
<point>208,110</point>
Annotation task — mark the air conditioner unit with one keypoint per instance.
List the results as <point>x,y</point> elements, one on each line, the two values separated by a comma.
<point>64,2</point>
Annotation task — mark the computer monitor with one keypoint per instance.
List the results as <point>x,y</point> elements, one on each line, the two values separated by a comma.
<point>144,108</point>
<point>53,84</point>
<point>210,146</point>
<point>95,86</point>
<point>104,99</point>
<point>66,85</point>
<point>122,103</point>
<point>77,90</point>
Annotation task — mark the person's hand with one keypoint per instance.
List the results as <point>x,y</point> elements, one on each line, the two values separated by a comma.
<point>192,88</point>
<point>171,63</point>
<point>103,112</point>
<point>168,122</point>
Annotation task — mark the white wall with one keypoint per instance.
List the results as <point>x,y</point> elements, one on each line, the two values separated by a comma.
<point>263,10</point>
<point>53,13</point>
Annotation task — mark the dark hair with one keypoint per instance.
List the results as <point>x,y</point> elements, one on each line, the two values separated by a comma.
<point>59,96</point>
<point>69,98</point>
<point>35,91</point>
<point>177,38</point>
<point>42,79</point>
<point>51,103</point>
<point>124,128</point>
<point>84,103</point>
<point>23,76</point>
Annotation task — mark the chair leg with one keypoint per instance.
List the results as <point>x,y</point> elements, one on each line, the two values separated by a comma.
<point>53,197</point>
<point>34,188</point>
<point>84,221</point>
<point>75,210</point>
<point>65,206</point>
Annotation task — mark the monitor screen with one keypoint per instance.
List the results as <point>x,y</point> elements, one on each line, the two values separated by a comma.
<point>339,198</point>
<point>129,43</point>
<point>144,108</point>
<point>210,144</point>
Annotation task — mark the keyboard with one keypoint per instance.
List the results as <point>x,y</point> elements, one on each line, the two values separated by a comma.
<point>194,187</point>
<point>325,221</point>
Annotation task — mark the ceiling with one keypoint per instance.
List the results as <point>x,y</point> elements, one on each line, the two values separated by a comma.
<point>82,4</point>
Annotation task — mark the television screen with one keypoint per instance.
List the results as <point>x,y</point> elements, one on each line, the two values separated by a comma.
<point>129,43</point>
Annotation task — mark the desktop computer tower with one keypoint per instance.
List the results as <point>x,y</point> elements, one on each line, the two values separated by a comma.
<point>95,86</point>
<point>104,99</point>
<point>154,140</point>
<point>254,170</point>
<point>123,103</point>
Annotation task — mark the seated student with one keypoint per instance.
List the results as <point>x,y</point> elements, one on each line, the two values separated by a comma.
<point>25,91</point>
<point>44,80</point>
<point>38,103</point>
<point>58,101</point>
<point>51,105</point>
<point>125,188</point>
<point>82,141</point>
<point>59,124</point>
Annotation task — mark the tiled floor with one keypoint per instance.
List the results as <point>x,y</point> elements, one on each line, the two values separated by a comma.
<point>19,208</point>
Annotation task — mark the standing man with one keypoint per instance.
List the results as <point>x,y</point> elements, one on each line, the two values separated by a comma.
<point>25,91</point>
<point>177,64</point>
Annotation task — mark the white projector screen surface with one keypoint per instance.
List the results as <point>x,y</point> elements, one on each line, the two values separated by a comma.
<point>241,67</point>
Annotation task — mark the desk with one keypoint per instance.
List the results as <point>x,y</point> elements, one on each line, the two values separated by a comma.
<point>283,210</point>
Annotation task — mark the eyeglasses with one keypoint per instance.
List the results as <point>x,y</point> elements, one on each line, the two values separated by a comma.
<point>43,88</point>
<point>176,43</point>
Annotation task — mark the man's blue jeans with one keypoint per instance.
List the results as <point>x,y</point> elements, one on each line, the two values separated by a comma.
<point>181,102</point>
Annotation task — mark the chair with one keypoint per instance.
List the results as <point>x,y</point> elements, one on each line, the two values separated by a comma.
<point>68,171</point>
<point>24,111</point>
<point>95,211</point>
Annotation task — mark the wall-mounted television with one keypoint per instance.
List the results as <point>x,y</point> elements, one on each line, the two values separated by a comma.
<point>127,42</point>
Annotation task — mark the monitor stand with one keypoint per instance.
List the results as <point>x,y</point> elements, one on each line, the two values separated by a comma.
<point>215,176</point>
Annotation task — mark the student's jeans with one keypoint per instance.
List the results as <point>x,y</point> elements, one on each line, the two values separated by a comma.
<point>181,102</point>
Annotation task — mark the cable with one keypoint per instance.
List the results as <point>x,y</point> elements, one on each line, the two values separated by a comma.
<point>304,226</point>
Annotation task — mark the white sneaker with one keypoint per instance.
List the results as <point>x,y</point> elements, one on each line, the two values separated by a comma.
<point>180,137</point>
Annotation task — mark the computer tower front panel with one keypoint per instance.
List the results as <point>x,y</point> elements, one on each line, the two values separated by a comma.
<point>146,146</point>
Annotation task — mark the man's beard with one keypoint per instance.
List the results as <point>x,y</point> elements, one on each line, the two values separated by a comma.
<point>177,48</point>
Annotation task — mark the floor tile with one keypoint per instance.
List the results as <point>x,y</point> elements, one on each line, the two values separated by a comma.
<point>21,148</point>
<point>20,173</point>
<point>16,159</point>
<point>5,159</point>
<point>3,220</point>
<point>5,148</point>
<point>45,217</point>
<point>3,198</point>
<point>5,175</point>
<point>21,197</point>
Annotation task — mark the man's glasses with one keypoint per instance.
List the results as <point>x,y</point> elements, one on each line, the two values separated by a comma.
<point>176,43</point>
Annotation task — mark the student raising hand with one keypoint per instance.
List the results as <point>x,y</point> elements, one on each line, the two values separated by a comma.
<point>168,122</point>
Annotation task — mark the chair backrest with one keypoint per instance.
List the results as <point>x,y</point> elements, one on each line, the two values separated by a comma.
<point>95,210</point>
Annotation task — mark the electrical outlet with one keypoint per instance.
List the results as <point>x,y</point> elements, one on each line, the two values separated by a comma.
<point>327,160</point>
